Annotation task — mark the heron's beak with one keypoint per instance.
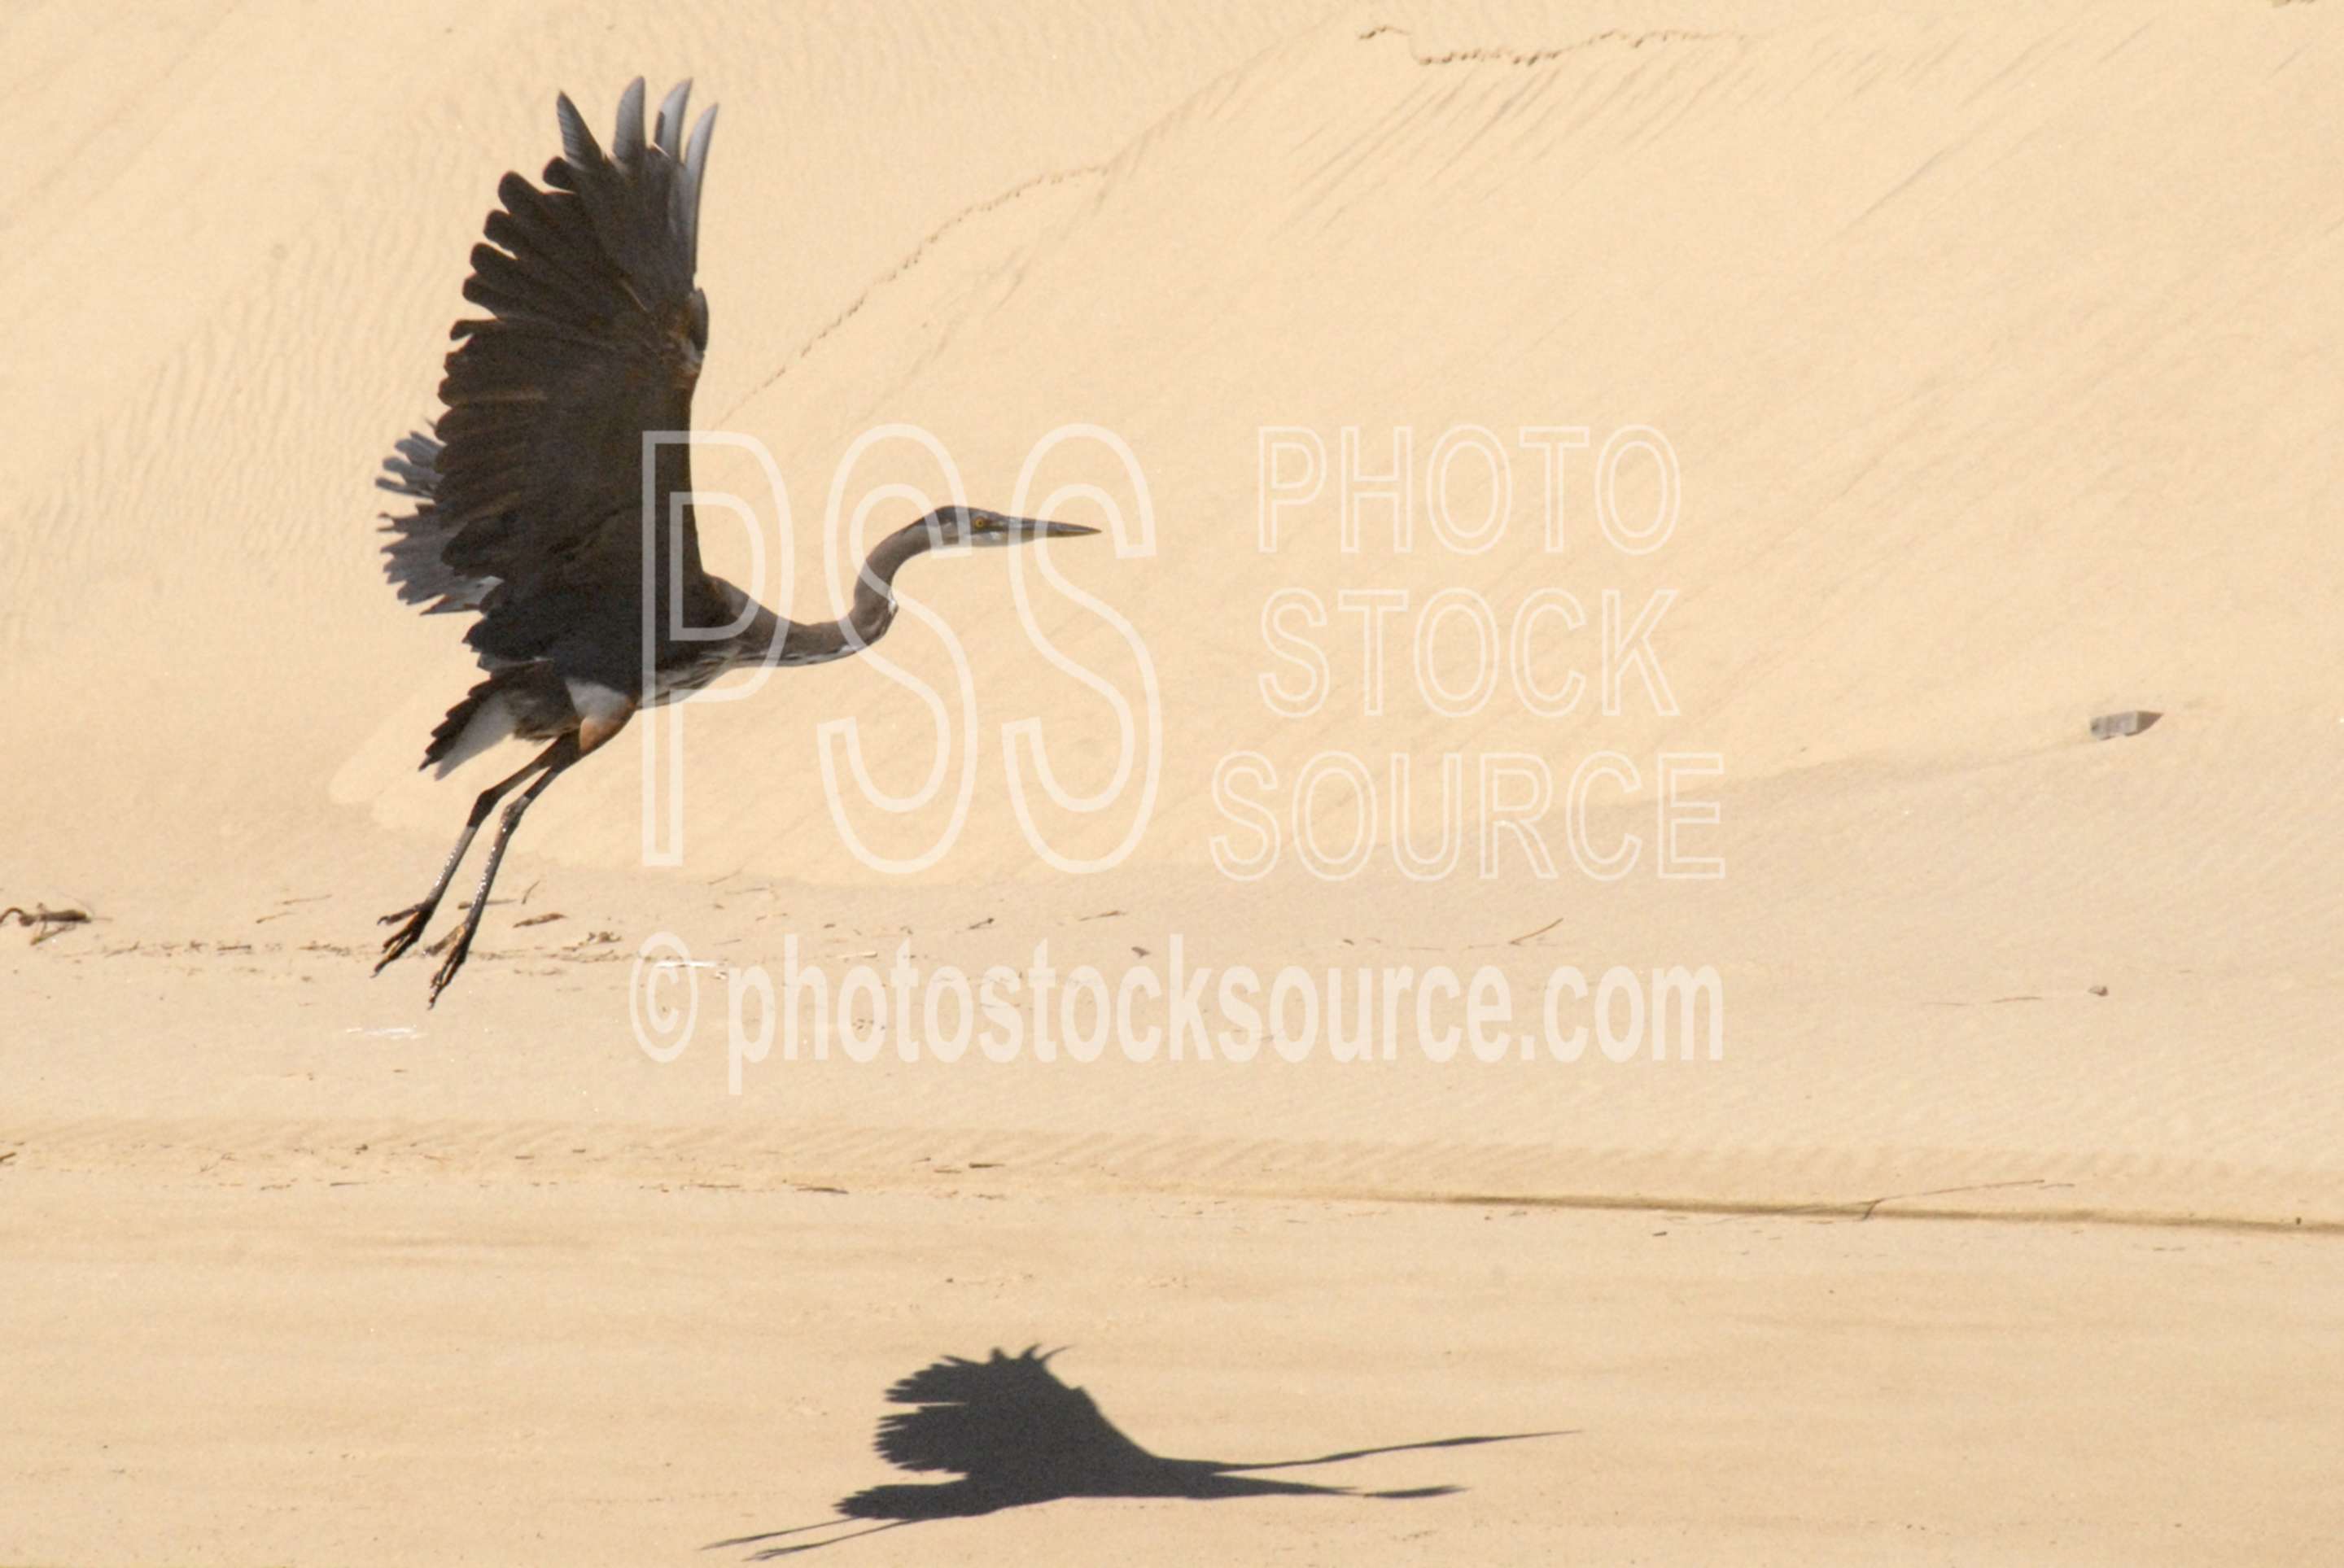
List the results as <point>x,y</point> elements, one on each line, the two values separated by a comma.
<point>1024,531</point>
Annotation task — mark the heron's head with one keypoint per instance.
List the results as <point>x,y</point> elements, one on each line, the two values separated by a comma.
<point>973,526</point>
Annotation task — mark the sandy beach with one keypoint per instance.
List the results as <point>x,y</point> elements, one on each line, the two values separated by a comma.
<point>1617,524</point>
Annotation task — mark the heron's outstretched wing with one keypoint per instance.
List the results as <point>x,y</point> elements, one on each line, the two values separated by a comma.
<point>594,336</point>
<point>1004,1415</point>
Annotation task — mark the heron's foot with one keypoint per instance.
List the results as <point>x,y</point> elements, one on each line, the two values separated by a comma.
<point>452,962</point>
<point>416,917</point>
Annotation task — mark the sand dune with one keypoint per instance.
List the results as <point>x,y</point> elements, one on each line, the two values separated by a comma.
<point>1979,361</point>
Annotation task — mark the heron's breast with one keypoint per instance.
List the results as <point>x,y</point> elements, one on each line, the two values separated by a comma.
<point>674,681</point>
<point>599,706</point>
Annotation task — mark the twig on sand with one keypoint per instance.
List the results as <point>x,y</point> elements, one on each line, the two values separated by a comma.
<point>1865,1208</point>
<point>45,920</point>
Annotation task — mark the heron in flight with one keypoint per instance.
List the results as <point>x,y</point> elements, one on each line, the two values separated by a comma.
<point>534,509</point>
<point>1018,1436</point>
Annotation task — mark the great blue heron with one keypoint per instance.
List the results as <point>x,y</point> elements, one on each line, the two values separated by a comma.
<point>534,509</point>
<point>1017,1436</point>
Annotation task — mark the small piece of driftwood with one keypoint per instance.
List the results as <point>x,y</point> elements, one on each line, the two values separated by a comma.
<point>45,922</point>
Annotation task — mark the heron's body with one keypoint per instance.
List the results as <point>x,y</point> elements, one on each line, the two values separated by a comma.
<point>555,490</point>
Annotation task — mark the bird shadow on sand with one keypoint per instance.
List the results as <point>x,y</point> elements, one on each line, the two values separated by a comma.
<point>1017,1436</point>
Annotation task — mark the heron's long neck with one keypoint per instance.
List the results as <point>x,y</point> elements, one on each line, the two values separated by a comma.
<point>864,624</point>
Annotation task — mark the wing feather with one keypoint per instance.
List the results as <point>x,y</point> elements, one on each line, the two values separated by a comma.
<point>627,145</point>
<point>670,114</point>
<point>413,562</point>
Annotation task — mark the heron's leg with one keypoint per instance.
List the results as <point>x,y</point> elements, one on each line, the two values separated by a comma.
<point>555,759</point>
<point>415,917</point>
<point>770,1553</point>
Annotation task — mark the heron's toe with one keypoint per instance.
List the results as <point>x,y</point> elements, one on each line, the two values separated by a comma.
<point>446,971</point>
<point>406,937</point>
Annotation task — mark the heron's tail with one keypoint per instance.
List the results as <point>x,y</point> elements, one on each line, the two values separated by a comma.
<point>414,566</point>
<point>480,720</point>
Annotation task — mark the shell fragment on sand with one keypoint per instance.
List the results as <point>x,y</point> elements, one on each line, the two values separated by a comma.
<point>2108,726</point>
